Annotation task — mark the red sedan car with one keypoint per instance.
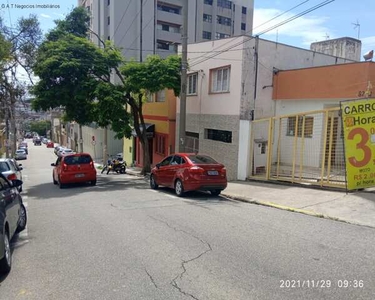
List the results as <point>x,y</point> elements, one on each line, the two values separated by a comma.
<point>74,168</point>
<point>187,172</point>
<point>50,145</point>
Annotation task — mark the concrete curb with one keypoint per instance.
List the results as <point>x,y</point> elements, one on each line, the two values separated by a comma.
<point>292,209</point>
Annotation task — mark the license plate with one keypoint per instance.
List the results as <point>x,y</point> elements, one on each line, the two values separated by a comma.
<point>212,172</point>
<point>80,175</point>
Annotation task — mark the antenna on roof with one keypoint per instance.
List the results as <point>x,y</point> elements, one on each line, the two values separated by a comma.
<point>326,36</point>
<point>357,26</point>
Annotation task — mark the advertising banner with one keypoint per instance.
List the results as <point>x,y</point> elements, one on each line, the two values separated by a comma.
<point>358,117</point>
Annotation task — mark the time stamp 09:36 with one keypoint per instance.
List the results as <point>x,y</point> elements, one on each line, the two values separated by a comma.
<point>341,283</point>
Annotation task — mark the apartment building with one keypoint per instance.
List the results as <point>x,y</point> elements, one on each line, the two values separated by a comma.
<point>161,21</point>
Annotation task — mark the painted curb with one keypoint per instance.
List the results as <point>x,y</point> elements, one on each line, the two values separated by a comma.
<point>292,209</point>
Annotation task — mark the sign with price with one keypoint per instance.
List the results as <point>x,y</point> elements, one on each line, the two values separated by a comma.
<point>359,134</point>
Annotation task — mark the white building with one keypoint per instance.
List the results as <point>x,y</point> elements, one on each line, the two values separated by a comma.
<point>345,47</point>
<point>222,99</point>
<point>120,21</point>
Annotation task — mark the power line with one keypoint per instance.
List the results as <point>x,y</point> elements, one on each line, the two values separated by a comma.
<point>123,15</point>
<point>148,23</point>
<point>267,30</point>
<point>132,23</point>
<point>250,31</point>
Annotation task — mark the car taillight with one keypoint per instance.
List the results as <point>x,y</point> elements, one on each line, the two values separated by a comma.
<point>223,171</point>
<point>12,177</point>
<point>196,170</point>
<point>92,164</point>
<point>65,167</point>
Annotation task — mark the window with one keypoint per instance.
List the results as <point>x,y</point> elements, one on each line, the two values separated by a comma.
<point>202,159</point>
<point>206,35</point>
<point>208,2</point>
<point>166,161</point>
<point>160,144</point>
<point>4,167</point>
<point>243,26</point>
<point>192,84</point>
<point>160,96</point>
<point>218,135</point>
<point>109,2</point>
<point>309,124</point>
<point>244,10</point>
<point>170,9</point>
<point>207,18</point>
<point>149,97</point>
<point>219,35</point>
<point>220,80</point>
<point>88,8</point>
<point>108,38</point>
<point>4,185</point>
<point>163,45</point>
<point>223,20</point>
<point>169,28</point>
<point>178,160</point>
<point>109,20</point>
<point>224,4</point>
<point>77,160</point>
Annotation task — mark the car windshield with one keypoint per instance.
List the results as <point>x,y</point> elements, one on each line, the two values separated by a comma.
<point>77,160</point>
<point>201,159</point>
<point>4,166</point>
<point>20,151</point>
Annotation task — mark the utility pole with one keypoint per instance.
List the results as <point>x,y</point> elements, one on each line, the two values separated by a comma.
<point>141,34</point>
<point>183,77</point>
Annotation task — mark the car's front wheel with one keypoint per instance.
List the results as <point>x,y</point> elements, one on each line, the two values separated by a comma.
<point>6,262</point>
<point>22,221</point>
<point>179,188</point>
<point>153,183</point>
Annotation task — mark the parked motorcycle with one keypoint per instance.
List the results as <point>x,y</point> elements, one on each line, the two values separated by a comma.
<point>115,166</point>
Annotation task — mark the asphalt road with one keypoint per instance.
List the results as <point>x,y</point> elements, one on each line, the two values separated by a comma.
<point>121,240</point>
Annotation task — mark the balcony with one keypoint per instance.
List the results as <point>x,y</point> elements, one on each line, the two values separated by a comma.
<point>167,17</point>
<point>168,36</point>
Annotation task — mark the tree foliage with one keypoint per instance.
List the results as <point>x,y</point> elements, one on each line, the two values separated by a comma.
<point>41,127</point>
<point>96,83</point>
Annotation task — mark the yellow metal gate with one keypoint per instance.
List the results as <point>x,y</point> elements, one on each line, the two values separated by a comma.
<point>304,148</point>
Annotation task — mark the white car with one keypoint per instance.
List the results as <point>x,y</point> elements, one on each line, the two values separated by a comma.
<point>20,154</point>
<point>65,151</point>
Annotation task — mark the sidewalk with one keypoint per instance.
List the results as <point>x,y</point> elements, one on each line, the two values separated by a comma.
<point>356,208</point>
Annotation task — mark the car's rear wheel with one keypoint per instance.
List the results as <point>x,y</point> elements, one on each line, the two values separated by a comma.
<point>6,262</point>
<point>215,192</point>
<point>93,182</point>
<point>179,188</point>
<point>53,179</point>
<point>153,183</point>
<point>22,221</point>
<point>61,185</point>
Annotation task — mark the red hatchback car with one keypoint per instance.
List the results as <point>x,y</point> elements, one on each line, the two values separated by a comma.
<point>74,168</point>
<point>50,145</point>
<point>188,172</point>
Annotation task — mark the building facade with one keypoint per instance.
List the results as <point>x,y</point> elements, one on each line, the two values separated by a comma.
<point>228,91</point>
<point>159,113</point>
<point>161,21</point>
<point>345,47</point>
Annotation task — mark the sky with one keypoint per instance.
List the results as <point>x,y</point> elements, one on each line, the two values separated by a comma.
<point>331,21</point>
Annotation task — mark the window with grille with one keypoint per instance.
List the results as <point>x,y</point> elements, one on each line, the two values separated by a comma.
<point>206,35</point>
<point>244,10</point>
<point>160,96</point>
<point>309,125</point>
<point>192,84</point>
<point>220,79</point>
<point>160,144</point>
<point>208,2</point>
<point>219,35</point>
<point>224,4</point>
<point>162,45</point>
<point>207,18</point>
<point>218,135</point>
<point>223,20</point>
<point>243,26</point>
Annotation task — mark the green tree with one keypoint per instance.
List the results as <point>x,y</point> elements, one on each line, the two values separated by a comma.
<point>41,127</point>
<point>76,74</point>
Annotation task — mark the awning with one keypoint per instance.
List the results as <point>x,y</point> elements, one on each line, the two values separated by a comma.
<point>150,130</point>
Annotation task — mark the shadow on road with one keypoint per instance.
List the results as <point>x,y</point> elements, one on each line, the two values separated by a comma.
<point>104,185</point>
